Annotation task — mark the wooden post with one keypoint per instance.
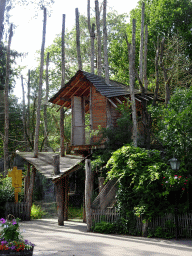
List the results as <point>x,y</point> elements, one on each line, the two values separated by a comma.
<point>78,40</point>
<point>59,187</point>
<point>62,113</point>
<point>88,193</point>
<point>106,63</point>
<point>97,13</point>
<point>27,182</point>
<point>66,197</point>
<point>132,82</point>
<point>101,186</point>
<point>6,103</point>
<point>30,190</point>
<point>36,141</point>
<point>56,163</point>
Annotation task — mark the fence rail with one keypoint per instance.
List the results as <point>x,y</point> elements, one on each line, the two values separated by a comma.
<point>18,210</point>
<point>166,222</point>
<point>109,215</point>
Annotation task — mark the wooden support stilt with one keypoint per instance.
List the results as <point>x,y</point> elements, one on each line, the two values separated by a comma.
<point>88,193</point>
<point>66,197</point>
<point>27,182</point>
<point>60,199</point>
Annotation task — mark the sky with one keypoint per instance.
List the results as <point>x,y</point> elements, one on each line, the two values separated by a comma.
<point>27,35</point>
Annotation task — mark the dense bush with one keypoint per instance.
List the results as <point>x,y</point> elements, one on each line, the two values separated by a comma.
<point>142,188</point>
<point>6,193</point>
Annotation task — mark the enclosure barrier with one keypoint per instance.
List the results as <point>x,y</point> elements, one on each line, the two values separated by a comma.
<point>18,210</point>
<point>166,222</point>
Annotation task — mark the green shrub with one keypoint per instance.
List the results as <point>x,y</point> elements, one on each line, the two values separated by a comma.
<point>37,212</point>
<point>74,212</point>
<point>104,228</point>
<point>6,193</point>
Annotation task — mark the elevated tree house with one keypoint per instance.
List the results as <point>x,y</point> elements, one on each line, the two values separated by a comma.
<point>93,104</point>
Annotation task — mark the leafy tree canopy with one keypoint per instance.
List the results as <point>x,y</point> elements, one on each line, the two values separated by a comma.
<point>147,185</point>
<point>172,126</point>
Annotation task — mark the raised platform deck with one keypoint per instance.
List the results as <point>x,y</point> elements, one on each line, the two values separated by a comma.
<point>44,163</point>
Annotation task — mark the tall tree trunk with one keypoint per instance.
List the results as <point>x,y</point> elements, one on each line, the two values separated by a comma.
<point>105,43</point>
<point>46,102</point>
<point>132,83</point>
<point>92,36</point>
<point>145,59</point>
<point>62,114</point>
<point>141,43</point>
<point>24,115</point>
<point>6,102</point>
<point>156,74</point>
<point>167,79</point>
<point>78,40</point>
<point>28,108</point>
<point>98,38</point>
<point>2,12</point>
<point>36,141</point>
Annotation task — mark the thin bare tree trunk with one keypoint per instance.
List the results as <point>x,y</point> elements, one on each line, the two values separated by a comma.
<point>78,40</point>
<point>6,102</point>
<point>24,115</point>
<point>92,36</point>
<point>36,141</point>
<point>156,74</point>
<point>92,47</point>
<point>28,108</point>
<point>105,43</point>
<point>2,12</point>
<point>141,43</point>
<point>45,106</point>
<point>98,37</point>
<point>132,83</point>
<point>145,59</point>
<point>166,78</point>
<point>62,114</point>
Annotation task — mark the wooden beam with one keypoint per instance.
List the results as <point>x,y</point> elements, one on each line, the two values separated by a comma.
<point>60,197</point>
<point>72,95</point>
<point>114,105</point>
<point>88,193</point>
<point>65,99</point>
<point>137,99</point>
<point>56,164</point>
<point>66,179</point>
<point>117,99</point>
<point>66,93</point>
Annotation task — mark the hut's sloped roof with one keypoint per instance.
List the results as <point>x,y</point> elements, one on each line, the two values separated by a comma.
<point>79,85</point>
<point>113,89</point>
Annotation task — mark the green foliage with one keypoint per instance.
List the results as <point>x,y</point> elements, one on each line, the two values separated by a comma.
<point>75,213</point>
<point>165,18</point>
<point>163,233</point>
<point>172,127</point>
<point>10,230</point>
<point>6,193</point>
<point>104,228</point>
<point>37,212</point>
<point>140,173</point>
<point>114,137</point>
<point>121,134</point>
<point>120,226</point>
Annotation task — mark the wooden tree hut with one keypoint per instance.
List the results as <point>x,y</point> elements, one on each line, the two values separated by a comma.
<point>87,93</point>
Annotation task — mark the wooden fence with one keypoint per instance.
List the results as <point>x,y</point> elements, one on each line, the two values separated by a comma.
<point>108,215</point>
<point>166,222</point>
<point>18,210</point>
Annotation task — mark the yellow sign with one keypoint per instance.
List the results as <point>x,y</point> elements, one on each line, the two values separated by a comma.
<point>16,180</point>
